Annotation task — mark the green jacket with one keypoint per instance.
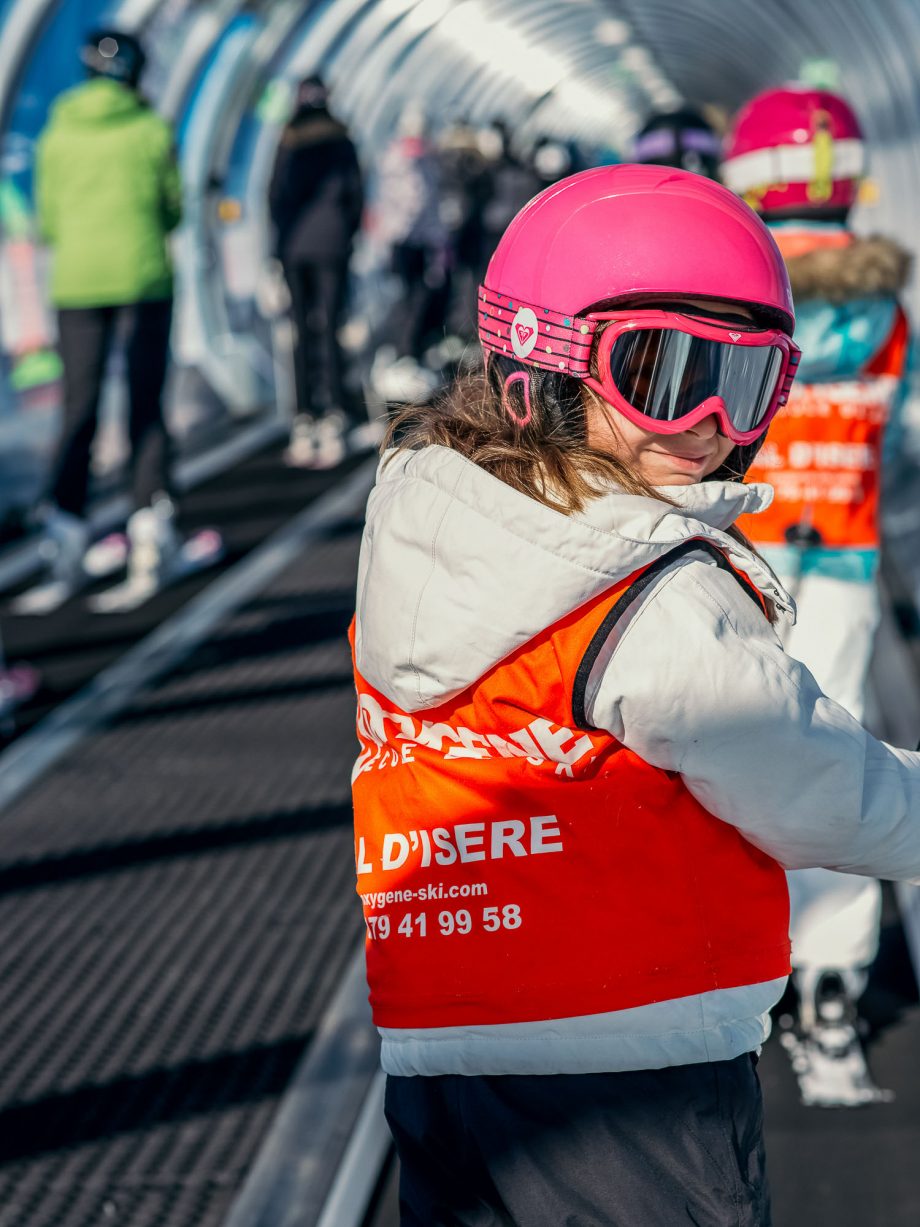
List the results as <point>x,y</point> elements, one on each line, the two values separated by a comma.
<point>108,193</point>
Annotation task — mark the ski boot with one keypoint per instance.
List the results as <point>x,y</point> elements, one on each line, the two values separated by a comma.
<point>317,443</point>
<point>62,549</point>
<point>824,1045</point>
<point>367,436</point>
<point>401,381</point>
<point>18,684</point>
<point>158,557</point>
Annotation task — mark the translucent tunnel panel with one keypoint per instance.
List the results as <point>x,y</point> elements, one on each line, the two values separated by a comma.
<point>200,29</point>
<point>232,145</point>
<point>419,46</point>
<point>329,27</point>
<point>230,362</point>
<point>436,55</point>
<point>134,14</point>
<point>51,65</point>
<point>38,61</point>
<point>365,86</point>
<point>355,57</point>
<point>166,32</point>
<point>711,57</point>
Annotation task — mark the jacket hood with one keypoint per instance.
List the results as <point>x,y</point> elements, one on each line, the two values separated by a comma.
<point>458,569</point>
<point>98,101</point>
<point>861,268</point>
<point>312,126</point>
<point>845,290</point>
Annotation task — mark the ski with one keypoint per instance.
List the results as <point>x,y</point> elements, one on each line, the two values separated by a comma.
<point>830,1066</point>
<point>102,559</point>
<point>18,684</point>
<point>46,596</point>
<point>198,552</point>
<point>106,556</point>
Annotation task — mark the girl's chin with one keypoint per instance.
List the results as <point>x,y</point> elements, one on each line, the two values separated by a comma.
<point>677,479</point>
<point>679,471</point>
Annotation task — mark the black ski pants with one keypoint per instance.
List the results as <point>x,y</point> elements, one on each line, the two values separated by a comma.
<point>426,289</point>
<point>86,335</point>
<point>651,1148</point>
<point>318,295</point>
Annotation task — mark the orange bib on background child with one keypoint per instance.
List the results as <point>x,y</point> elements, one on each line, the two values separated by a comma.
<point>823,455</point>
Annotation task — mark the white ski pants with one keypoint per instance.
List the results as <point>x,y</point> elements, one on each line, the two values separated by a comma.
<point>835,916</point>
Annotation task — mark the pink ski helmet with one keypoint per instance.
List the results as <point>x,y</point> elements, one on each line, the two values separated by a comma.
<point>616,233</point>
<point>796,151</point>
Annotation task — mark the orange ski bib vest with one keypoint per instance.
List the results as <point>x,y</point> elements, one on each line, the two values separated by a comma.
<point>822,455</point>
<point>515,865</point>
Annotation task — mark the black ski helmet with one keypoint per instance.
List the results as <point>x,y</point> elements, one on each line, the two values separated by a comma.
<point>312,94</point>
<point>115,54</point>
<point>681,138</point>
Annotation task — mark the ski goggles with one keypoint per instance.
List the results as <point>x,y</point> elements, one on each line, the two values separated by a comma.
<point>665,372</point>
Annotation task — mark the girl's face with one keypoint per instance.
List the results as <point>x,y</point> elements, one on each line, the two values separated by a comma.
<point>663,460</point>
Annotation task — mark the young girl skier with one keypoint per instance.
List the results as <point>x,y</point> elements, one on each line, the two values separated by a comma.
<point>585,758</point>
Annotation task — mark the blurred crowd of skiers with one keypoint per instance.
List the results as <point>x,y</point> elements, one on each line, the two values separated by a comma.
<point>430,211</point>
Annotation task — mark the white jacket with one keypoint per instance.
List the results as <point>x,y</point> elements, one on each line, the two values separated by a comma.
<point>458,570</point>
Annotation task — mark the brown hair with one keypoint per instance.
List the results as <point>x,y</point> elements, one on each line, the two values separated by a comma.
<point>548,458</point>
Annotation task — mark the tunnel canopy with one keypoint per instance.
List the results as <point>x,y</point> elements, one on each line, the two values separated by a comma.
<point>594,69</point>
<point>589,71</point>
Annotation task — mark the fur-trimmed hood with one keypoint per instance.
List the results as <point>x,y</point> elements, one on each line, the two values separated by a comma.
<point>862,268</point>
<point>311,126</point>
<point>846,296</point>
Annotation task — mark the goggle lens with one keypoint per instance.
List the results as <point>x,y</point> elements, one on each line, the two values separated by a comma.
<point>665,374</point>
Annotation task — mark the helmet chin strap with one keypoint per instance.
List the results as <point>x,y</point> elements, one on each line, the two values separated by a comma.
<point>736,464</point>
<point>518,419</point>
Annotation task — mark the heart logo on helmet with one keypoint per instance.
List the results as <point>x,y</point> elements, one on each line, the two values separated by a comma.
<point>734,335</point>
<point>524,332</point>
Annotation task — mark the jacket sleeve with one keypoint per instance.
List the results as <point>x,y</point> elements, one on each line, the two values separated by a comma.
<point>904,408</point>
<point>171,185</point>
<point>697,682</point>
<point>45,194</point>
<point>279,194</point>
<point>354,187</point>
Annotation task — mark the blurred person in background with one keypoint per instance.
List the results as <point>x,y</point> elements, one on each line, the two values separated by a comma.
<point>796,155</point>
<point>316,199</point>
<point>464,192</point>
<point>512,182</point>
<point>108,194</point>
<point>409,221</point>
<point>477,192</point>
<point>18,683</point>
<point>551,161</point>
<point>681,138</point>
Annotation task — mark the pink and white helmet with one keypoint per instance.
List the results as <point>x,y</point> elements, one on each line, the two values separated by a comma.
<point>617,233</point>
<point>795,151</point>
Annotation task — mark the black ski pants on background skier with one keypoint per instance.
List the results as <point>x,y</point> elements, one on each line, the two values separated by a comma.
<point>318,295</point>
<point>86,335</point>
<point>425,295</point>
